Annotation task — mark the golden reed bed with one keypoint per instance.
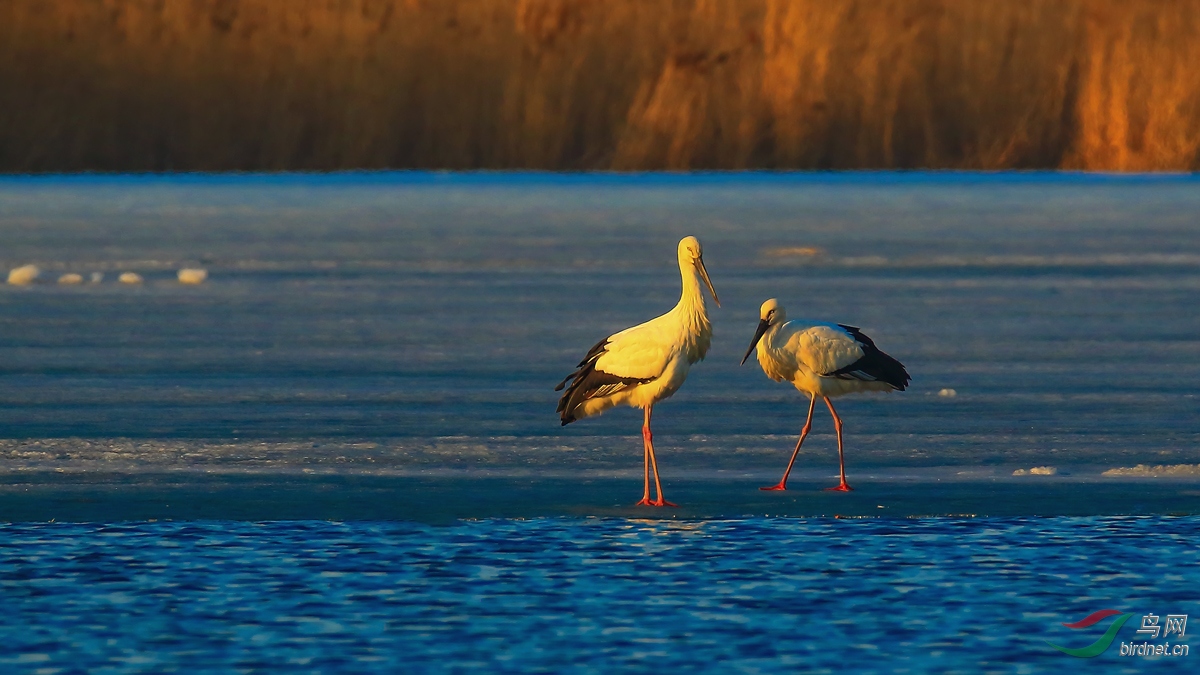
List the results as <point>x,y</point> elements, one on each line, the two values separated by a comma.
<point>599,84</point>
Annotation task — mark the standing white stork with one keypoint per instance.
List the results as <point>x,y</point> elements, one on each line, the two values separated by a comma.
<point>821,359</point>
<point>643,365</point>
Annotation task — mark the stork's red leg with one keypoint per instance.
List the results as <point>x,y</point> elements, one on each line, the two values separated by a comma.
<point>812,402</point>
<point>649,438</point>
<point>837,424</point>
<point>646,438</point>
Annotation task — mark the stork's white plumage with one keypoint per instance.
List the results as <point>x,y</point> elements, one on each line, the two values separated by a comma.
<point>643,365</point>
<point>821,359</point>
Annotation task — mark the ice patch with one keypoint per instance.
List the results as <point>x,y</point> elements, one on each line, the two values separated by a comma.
<point>1036,471</point>
<point>24,275</point>
<point>789,251</point>
<point>192,275</point>
<point>990,261</point>
<point>1157,470</point>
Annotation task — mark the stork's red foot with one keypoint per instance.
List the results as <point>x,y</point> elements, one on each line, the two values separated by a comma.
<point>659,502</point>
<point>840,488</point>
<point>781,487</point>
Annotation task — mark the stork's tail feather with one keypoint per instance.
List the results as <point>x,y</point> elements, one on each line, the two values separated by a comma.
<point>875,364</point>
<point>589,384</point>
<point>893,372</point>
<point>566,379</point>
<point>566,409</point>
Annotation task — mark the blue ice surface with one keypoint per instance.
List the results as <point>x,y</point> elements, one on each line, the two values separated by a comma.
<point>404,323</point>
<point>380,350</point>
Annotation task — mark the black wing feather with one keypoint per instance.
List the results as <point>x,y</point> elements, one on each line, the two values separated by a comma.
<point>593,354</point>
<point>875,365</point>
<point>587,383</point>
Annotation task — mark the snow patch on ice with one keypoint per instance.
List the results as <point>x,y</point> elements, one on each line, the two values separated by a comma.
<point>1036,471</point>
<point>24,275</point>
<point>1156,470</point>
<point>192,275</point>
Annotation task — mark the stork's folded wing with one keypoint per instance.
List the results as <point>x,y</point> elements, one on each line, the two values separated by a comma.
<point>641,352</point>
<point>827,349</point>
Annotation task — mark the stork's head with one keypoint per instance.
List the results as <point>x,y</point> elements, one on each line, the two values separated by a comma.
<point>770,313</point>
<point>691,255</point>
<point>690,250</point>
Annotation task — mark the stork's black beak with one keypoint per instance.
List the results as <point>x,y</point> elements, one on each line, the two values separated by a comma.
<point>704,275</point>
<point>763,325</point>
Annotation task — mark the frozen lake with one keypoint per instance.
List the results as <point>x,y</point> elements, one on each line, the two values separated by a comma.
<point>410,328</point>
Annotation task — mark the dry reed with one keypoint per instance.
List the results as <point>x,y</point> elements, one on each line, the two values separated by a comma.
<point>598,84</point>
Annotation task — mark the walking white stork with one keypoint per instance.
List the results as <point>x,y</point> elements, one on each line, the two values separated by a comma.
<point>821,359</point>
<point>643,365</point>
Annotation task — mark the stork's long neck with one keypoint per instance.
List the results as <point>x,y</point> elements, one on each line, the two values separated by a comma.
<point>767,357</point>
<point>693,312</point>
<point>767,343</point>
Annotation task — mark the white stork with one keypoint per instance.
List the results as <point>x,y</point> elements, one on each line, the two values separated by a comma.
<point>643,365</point>
<point>821,359</point>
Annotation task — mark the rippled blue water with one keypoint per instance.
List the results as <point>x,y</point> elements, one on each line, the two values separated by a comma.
<point>588,595</point>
